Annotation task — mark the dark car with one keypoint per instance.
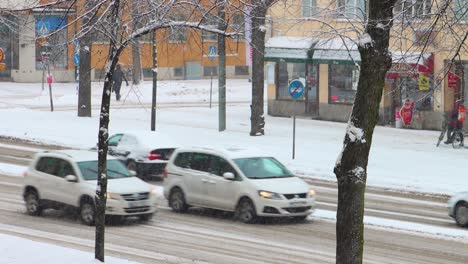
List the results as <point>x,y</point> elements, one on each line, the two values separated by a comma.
<point>145,152</point>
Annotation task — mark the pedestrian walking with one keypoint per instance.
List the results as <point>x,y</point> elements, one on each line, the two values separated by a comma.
<point>117,80</point>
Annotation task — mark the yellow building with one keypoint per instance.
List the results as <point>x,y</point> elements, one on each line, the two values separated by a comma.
<point>25,46</point>
<point>313,43</point>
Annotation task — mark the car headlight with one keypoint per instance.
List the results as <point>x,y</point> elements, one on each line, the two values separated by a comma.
<point>154,191</point>
<point>112,196</point>
<point>270,195</point>
<point>311,193</point>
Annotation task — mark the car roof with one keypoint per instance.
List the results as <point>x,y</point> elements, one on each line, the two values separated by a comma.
<point>228,152</point>
<point>152,139</point>
<point>77,155</point>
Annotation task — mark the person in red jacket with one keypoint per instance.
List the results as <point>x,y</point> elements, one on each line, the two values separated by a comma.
<point>457,118</point>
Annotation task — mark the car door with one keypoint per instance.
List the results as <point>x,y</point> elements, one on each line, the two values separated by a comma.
<point>45,170</point>
<point>197,178</point>
<point>66,192</point>
<point>222,193</point>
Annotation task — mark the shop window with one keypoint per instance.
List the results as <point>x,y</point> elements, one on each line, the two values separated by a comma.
<point>411,9</point>
<point>410,88</point>
<point>241,70</point>
<point>424,37</point>
<point>211,21</point>
<point>178,34</point>
<point>351,8</point>
<point>461,10</point>
<point>178,72</point>
<point>288,72</point>
<point>100,38</point>
<point>55,46</point>
<point>342,83</point>
<point>238,25</point>
<point>147,73</point>
<point>209,70</point>
<point>309,8</point>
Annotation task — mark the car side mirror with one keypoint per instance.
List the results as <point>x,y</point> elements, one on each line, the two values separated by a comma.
<point>229,176</point>
<point>132,173</point>
<point>71,178</point>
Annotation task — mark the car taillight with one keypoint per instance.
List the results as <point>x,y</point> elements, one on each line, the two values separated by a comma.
<point>165,173</point>
<point>154,156</point>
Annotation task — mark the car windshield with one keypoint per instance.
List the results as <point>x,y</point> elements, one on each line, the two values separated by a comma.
<point>115,170</point>
<point>262,168</point>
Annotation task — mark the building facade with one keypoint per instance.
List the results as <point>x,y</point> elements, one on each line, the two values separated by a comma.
<point>182,53</point>
<point>315,42</point>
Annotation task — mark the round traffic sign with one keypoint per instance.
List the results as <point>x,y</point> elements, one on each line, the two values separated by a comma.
<point>76,59</point>
<point>296,89</point>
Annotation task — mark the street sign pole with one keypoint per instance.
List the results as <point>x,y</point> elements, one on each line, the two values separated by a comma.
<point>294,138</point>
<point>211,85</point>
<point>211,56</point>
<point>296,90</point>
<point>49,80</point>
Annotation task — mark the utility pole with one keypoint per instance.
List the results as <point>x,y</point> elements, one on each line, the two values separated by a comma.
<point>222,69</point>
<point>155,80</point>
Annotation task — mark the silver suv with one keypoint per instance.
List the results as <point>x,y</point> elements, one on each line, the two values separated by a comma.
<point>247,183</point>
<point>68,178</point>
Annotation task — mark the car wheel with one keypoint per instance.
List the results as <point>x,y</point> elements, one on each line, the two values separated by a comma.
<point>33,206</point>
<point>461,214</point>
<point>177,201</point>
<point>146,217</point>
<point>246,211</point>
<point>87,213</point>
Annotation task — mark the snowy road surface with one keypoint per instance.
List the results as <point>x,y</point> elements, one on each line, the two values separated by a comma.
<point>213,237</point>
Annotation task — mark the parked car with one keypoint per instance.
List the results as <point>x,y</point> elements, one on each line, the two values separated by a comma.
<point>246,183</point>
<point>458,208</point>
<point>145,152</point>
<point>68,178</point>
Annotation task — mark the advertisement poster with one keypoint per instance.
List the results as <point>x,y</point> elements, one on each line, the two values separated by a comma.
<point>423,82</point>
<point>406,112</point>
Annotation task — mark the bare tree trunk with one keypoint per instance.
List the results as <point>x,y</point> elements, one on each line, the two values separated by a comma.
<point>155,80</point>
<point>137,72</point>
<point>351,166</point>
<point>222,70</point>
<point>101,190</point>
<point>257,120</point>
<point>84,90</point>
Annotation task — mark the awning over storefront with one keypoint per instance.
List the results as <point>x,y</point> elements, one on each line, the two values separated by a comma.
<point>411,64</point>
<point>317,51</point>
<point>336,51</point>
<point>339,51</point>
<point>289,49</point>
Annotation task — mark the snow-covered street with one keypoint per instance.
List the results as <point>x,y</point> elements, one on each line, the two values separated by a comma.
<point>404,160</point>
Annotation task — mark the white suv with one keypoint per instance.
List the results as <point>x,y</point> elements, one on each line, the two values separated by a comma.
<point>235,180</point>
<point>69,178</point>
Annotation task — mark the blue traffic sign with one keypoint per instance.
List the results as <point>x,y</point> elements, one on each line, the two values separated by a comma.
<point>296,89</point>
<point>76,59</point>
<point>212,52</point>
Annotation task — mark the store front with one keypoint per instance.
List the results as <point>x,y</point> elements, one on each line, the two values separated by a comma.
<point>8,48</point>
<point>327,68</point>
<point>411,79</point>
<point>289,60</point>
